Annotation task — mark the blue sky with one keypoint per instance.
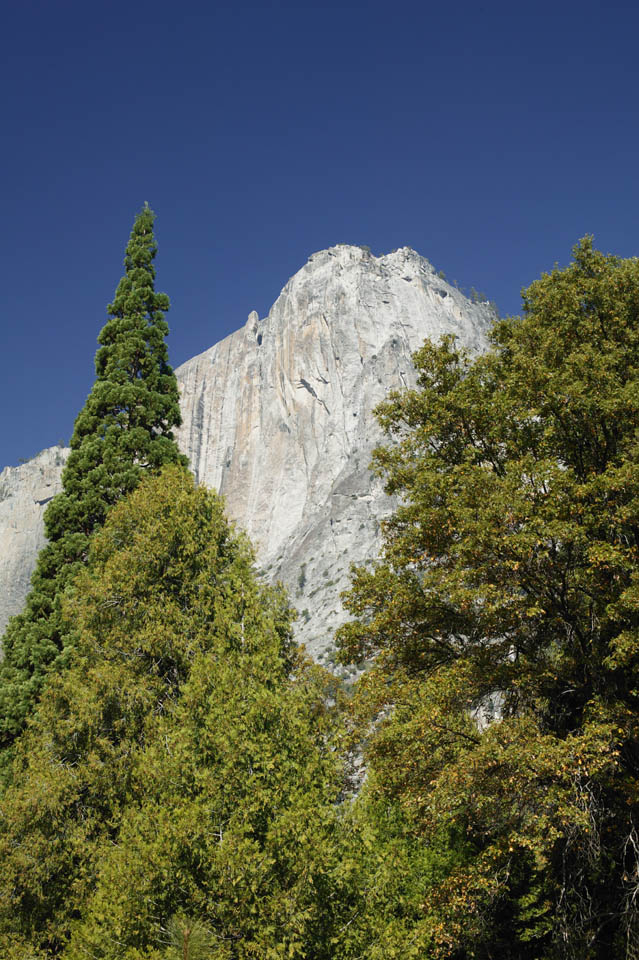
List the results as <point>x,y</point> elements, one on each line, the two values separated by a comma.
<point>489,136</point>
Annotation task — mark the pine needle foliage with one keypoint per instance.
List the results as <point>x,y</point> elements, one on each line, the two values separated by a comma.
<point>188,939</point>
<point>123,431</point>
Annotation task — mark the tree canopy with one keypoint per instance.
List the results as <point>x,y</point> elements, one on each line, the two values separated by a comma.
<point>124,430</point>
<point>181,790</point>
<point>179,777</point>
<point>503,621</point>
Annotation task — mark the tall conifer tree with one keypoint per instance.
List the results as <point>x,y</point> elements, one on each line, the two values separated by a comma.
<point>123,431</point>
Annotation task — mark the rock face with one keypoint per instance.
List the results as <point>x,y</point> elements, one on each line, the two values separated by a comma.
<point>278,417</point>
<point>24,494</point>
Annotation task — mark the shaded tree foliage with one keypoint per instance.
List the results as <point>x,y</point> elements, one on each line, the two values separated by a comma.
<point>503,619</point>
<point>123,431</point>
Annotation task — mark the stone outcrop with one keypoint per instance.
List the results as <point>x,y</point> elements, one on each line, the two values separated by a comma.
<point>278,418</point>
<point>25,491</point>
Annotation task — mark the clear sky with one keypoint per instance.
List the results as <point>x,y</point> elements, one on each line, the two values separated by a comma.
<point>489,136</point>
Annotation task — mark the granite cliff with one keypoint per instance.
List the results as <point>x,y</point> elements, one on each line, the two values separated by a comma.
<point>278,418</point>
<point>25,491</point>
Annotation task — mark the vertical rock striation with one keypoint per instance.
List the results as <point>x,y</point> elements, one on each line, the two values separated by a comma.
<point>278,418</point>
<point>24,493</point>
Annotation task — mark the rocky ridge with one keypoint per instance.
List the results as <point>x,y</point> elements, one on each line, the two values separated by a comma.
<point>278,418</point>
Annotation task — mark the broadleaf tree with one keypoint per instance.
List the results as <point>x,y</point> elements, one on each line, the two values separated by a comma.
<point>123,431</point>
<point>503,622</point>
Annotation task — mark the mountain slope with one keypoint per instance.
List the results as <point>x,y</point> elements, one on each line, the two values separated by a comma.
<point>278,418</point>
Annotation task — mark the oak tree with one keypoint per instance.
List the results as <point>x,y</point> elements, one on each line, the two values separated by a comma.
<point>503,621</point>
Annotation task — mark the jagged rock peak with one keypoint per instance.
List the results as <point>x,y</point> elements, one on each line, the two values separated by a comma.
<point>278,417</point>
<point>344,262</point>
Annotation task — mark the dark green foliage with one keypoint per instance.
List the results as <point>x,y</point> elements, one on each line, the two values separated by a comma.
<point>509,584</point>
<point>123,431</point>
<point>387,876</point>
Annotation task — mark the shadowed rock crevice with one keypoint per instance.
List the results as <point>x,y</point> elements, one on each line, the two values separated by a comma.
<point>306,385</point>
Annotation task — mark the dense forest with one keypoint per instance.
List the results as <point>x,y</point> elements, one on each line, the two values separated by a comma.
<point>180,782</point>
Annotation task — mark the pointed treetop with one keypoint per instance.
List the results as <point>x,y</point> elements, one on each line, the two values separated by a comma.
<point>124,430</point>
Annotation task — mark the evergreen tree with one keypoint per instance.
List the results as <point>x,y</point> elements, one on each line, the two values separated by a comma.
<point>123,431</point>
<point>175,793</point>
<point>504,620</point>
